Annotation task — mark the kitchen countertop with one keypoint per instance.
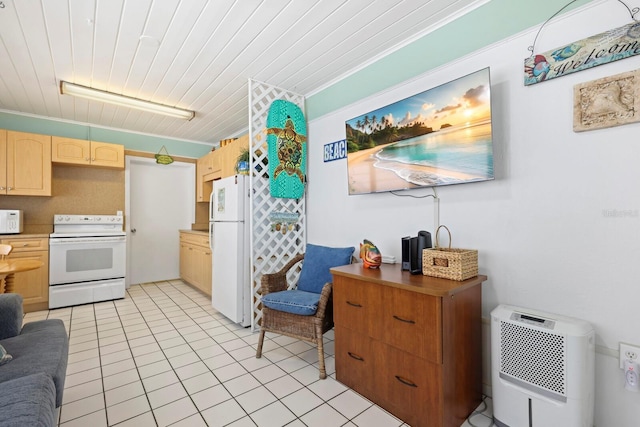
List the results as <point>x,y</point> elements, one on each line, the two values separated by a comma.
<point>24,236</point>
<point>201,232</point>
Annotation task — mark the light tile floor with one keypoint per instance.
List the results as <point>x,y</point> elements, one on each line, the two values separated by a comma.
<point>163,357</point>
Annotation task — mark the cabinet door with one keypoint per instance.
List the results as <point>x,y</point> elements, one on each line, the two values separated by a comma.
<point>69,150</point>
<point>355,362</point>
<point>409,387</point>
<point>33,285</point>
<point>356,304</point>
<point>107,155</point>
<point>412,322</point>
<point>186,262</point>
<point>200,172</point>
<point>206,270</point>
<point>202,266</point>
<point>3,161</point>
<point>28,164</point>
<point>211,164</point>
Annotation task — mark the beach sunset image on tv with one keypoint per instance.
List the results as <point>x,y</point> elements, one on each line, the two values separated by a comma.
<point>441,136</point>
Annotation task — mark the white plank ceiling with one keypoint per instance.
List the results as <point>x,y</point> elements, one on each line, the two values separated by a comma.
<point>194,54</point>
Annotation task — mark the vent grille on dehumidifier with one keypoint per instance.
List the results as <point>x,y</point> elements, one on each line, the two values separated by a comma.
<point>533,356</point>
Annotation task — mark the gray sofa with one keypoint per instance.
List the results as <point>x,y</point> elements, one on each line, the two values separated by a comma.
<point>32,383</point>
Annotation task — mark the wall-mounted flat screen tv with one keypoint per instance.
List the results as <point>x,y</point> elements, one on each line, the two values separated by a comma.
<point>441,136</point>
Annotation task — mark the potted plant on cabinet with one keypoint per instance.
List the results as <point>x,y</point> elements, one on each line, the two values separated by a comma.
<point>242,163</point>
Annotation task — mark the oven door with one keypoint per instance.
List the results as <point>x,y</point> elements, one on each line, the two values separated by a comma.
<point>82,259</point>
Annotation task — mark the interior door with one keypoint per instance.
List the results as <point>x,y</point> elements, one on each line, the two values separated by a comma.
<point>160,200</point>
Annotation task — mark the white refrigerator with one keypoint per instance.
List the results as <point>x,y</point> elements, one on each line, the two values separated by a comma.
<point>229,239</point>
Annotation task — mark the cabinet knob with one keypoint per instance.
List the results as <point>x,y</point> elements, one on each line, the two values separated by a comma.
<point>133,230</point>
<point>86,159</point>
<point>93,159</point>
<point>9,188</point>
<point>2,188</point>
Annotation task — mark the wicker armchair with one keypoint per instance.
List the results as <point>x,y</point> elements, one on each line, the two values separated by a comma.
<point>310,327</point>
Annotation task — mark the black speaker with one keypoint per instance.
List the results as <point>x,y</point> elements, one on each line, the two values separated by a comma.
<point>406,251</point>
<point>415,259</point>
<point>424,242</point>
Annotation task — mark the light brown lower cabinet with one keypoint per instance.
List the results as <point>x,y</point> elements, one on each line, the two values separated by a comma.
<point>411,344</point>
<point>195,260</point>
<point>32,285</point>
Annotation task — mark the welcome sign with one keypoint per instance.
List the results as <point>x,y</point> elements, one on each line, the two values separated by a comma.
<point>610,46</point>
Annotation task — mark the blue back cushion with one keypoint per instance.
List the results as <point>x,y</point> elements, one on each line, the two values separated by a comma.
<point>317,262</point>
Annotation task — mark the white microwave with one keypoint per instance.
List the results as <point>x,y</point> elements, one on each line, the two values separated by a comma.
<point>11,221</point>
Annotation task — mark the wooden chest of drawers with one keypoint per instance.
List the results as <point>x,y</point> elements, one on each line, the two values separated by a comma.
<point>410,343</point>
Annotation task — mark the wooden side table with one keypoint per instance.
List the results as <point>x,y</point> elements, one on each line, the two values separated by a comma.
<point>9,267</point>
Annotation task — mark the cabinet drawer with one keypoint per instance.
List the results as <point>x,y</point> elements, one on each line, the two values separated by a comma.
<point>355,304</point>
<point>410,387</point>
<point>23,245</point>
<point>355,361</point>
<point>412,322</point>
<point>195,239</point>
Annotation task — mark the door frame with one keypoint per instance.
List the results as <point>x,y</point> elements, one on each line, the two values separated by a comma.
<point>127,204</point>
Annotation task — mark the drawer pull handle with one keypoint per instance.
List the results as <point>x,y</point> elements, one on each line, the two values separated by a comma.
<point>355,356</point>
<point>404,320</point>
<point>406,381</point>
<point>353,304</point>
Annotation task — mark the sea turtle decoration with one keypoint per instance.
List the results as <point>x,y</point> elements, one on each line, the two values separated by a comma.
<point>286,137</point>
<point>289,149</point>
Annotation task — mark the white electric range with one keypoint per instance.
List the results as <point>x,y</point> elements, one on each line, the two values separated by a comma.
<point>87,259</point>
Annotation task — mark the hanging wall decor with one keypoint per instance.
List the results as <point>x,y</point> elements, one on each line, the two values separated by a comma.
<point>287,141</point>
<point>163,157</point>
<point>607,102</point>
<point>283,221</point>
<point>613,45</point>
<point>610,46</point>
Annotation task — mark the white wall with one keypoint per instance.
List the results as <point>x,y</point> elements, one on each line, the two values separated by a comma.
<point>540,228</point>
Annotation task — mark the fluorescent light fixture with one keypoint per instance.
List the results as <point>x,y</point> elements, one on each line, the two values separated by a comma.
<point>73,89</point>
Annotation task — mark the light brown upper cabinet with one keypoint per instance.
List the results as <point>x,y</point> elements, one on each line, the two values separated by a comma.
<point>208,169</point>
<point>25,164</point>
<point>87,153</point>
<point>217,164</point>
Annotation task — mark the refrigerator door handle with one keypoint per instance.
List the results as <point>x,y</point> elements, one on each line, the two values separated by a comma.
<point>211,236</point>
<point>211,198</point>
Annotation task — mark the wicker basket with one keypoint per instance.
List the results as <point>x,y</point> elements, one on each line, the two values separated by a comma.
<point>449,263</point>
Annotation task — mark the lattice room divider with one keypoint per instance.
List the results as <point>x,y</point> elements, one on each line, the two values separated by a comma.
<point>271,248</point>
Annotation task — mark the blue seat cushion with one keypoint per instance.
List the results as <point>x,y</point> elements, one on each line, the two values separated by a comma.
<point>317,262</point>
<point>294,301</point>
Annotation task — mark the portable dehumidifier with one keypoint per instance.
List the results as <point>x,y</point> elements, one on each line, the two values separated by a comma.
<point>542,369</point>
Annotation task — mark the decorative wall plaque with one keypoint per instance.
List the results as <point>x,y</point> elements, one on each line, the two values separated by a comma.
<point>613,45</point>
<point>607,102</point>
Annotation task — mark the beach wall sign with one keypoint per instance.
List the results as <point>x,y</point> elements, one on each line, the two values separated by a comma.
<point>613,45</point>
<point>335,150</point>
